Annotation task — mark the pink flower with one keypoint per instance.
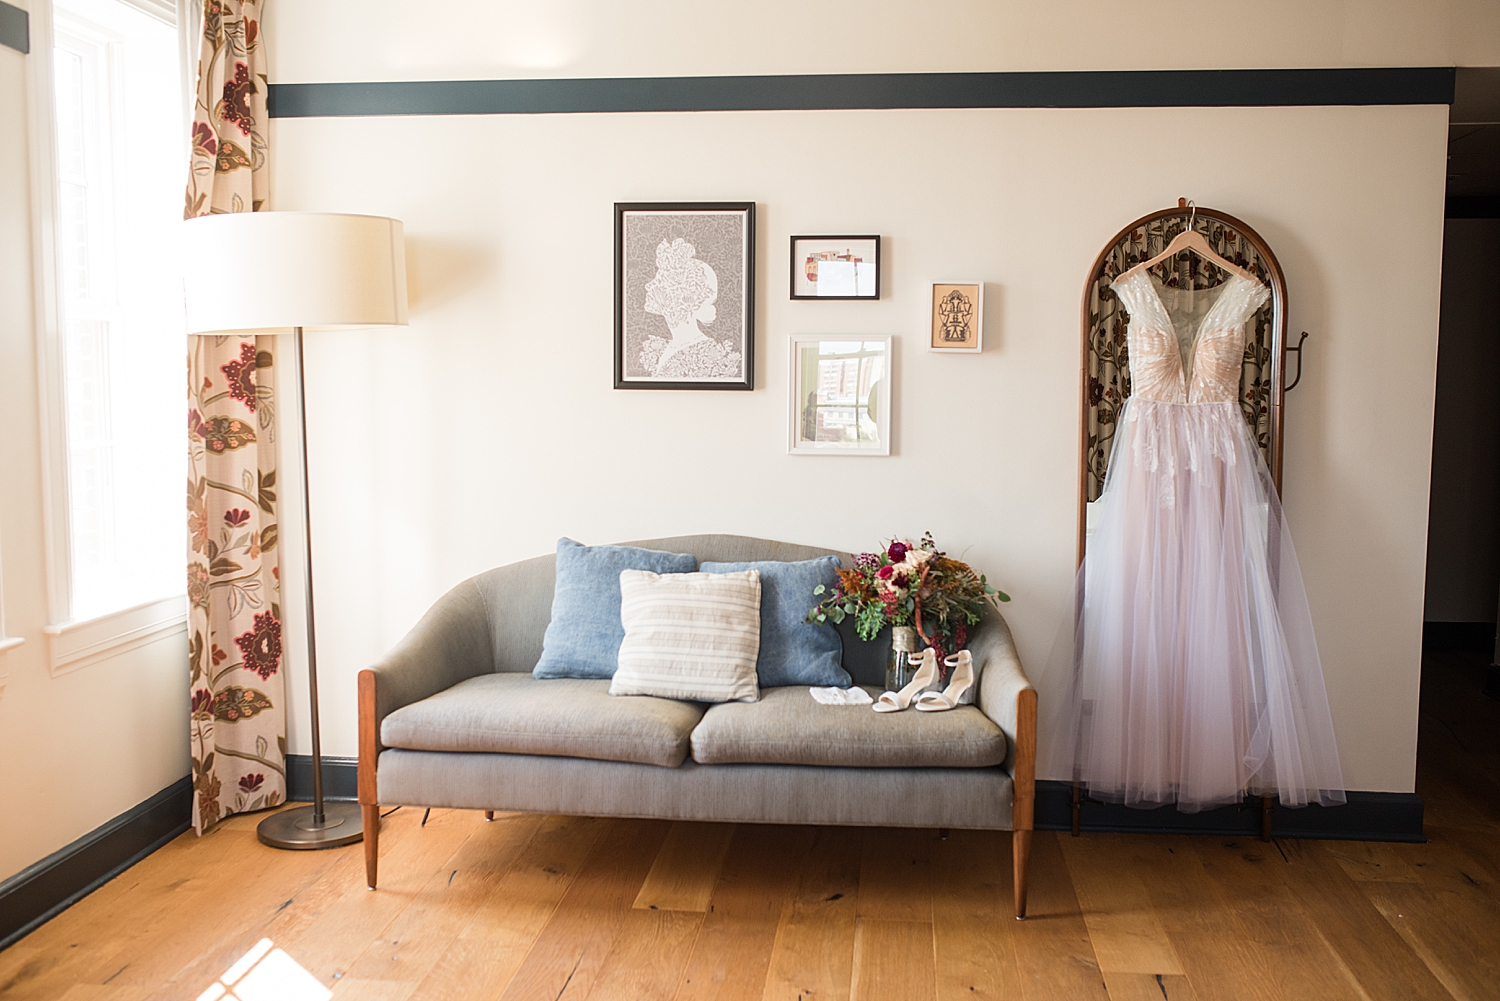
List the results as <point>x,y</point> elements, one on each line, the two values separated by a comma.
<point>884,573</point>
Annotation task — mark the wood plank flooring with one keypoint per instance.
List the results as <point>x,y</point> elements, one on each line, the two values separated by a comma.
<point>555,908</point>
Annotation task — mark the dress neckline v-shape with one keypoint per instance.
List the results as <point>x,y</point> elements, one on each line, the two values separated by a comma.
<point>1187,358</point>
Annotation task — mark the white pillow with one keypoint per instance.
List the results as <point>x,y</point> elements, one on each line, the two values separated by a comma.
<point>692,636</point>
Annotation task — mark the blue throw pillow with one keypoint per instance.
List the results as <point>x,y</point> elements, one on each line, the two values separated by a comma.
<point>792,651</point>
<point>583,639</point>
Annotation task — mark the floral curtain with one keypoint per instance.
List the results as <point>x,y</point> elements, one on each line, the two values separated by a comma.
<point>238,726</point>
<point>1108,358</point>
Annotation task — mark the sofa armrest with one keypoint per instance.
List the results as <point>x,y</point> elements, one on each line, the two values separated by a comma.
<point>451,643</point>
<point>1007,697</point>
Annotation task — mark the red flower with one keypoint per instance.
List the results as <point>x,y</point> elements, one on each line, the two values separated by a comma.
<point>261,647</point>
<point>203,701</point>
<point>241,374</point>
<point>205,143</point>
<point>250,783</point>
<point>897,551</point>
<point>236,105</point>
<point>884,573</point>
<point>235,517</point>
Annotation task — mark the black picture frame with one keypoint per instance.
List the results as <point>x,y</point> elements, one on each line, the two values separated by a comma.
<point>797,259</point>
<point>629,287</point>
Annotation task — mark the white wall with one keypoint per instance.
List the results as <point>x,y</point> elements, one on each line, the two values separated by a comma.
<point>338,40</point>
<point>1463,536</point>
<point>83,747</point>
<point>489,428</point>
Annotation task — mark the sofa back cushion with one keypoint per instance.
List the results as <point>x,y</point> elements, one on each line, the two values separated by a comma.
<point>519,596</point>
<point>793,651</point>
<point>583,638</point>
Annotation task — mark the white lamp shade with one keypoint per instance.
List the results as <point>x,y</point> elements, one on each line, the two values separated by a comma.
<point>273,270</point>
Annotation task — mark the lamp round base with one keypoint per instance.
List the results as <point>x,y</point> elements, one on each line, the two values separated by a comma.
<point>295,829</point>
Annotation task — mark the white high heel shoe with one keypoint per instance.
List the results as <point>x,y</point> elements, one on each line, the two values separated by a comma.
<point>961,685</point>
<point>925,678</point>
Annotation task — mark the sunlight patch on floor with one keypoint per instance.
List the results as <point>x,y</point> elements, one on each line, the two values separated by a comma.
<point>266,973</point>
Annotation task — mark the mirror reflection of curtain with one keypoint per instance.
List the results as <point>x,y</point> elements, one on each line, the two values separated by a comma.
<point>1107,357</point>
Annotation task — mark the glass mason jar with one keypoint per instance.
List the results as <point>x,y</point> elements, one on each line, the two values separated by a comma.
<point>898,667</point>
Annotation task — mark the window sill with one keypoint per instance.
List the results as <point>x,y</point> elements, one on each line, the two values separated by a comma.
<point>76,645</point>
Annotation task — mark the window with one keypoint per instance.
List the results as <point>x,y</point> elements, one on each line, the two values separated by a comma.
<point>110,180</point>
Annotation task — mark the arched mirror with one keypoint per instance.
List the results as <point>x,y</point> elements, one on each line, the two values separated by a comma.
<point>1105,378</point>
<point>1106,360</point>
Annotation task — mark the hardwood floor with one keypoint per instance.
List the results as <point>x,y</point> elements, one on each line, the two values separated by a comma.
<point>531,907</point>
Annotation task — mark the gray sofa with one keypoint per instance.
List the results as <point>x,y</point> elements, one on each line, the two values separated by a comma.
<point>453,718</point>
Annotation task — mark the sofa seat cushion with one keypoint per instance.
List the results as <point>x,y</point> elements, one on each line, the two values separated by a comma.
<point>788,727</point>
<point>563,717</point>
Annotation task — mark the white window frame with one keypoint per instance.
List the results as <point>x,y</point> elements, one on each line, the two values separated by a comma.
<point>73,643</point>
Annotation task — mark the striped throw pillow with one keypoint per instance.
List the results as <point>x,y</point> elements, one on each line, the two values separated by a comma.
<point>692,636</point>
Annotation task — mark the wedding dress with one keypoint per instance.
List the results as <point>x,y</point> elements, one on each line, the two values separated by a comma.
<point>1196,673</point>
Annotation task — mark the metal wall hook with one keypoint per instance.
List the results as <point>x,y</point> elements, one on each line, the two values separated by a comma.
<point>1300,341</point>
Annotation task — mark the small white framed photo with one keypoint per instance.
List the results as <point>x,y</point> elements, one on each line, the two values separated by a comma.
<point>957,317</point>
<point>840,395</point>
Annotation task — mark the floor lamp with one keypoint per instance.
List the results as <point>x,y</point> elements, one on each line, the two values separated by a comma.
<point>267,271</point>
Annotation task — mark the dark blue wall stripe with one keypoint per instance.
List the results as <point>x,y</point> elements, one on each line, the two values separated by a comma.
<point>1111,89</point>
<point>15,28</point>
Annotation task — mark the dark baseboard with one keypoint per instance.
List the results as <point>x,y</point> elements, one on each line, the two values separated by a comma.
<point>50,886</point>
<point>1368,816</point>
<point>1459,637</point>
<point>340,778</point>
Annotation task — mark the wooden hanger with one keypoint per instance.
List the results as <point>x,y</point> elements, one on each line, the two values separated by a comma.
<point>1191,239</point>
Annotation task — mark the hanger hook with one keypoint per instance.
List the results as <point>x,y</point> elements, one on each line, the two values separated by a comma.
<point>1192,213</point>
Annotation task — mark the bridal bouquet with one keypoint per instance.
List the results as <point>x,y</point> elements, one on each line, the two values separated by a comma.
<point>912,585</point>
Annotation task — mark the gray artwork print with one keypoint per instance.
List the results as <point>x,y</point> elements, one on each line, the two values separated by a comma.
<point>684,296</point>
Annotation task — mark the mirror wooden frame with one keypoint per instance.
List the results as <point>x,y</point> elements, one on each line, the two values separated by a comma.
<point>1264,265</point>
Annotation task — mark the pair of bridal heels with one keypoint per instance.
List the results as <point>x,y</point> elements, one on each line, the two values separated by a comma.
<point>923,687</point>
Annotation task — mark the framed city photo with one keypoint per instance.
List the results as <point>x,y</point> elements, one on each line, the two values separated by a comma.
<point>835,267</point>
<point>957,317</point>
<point>684,295</point>
<point>840,395</point>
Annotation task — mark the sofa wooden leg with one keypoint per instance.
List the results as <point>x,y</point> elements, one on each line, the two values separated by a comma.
<point>371,815</point>
<point>1021,852</point>
<point>489,815</point>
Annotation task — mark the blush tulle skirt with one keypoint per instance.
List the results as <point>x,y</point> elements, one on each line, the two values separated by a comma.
<point>1192,675</point>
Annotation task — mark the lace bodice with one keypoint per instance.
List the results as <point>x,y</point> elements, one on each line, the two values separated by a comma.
<point>1186,345</point>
